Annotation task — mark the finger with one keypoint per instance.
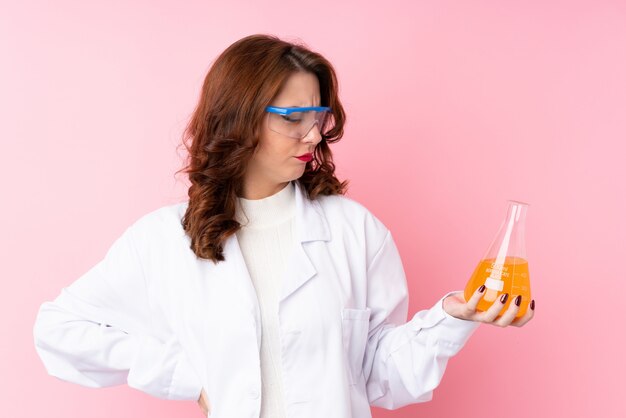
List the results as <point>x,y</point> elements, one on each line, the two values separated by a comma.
<point>494,310</point>
<point>472,303</point>
<point>509,314</point>
<point>530,312</point>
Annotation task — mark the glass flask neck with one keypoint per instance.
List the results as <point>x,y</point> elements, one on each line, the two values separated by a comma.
<point>510,240</point>
<point>516,213</point>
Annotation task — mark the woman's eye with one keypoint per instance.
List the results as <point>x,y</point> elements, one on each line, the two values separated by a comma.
<point>288,119</point>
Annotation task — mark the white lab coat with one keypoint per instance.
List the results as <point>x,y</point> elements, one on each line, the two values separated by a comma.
<point>154,316</point>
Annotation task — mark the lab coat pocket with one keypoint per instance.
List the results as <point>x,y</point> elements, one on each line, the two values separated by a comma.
<point>355,326</point>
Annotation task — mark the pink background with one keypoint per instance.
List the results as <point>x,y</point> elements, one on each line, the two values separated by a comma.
<point>453,107</point>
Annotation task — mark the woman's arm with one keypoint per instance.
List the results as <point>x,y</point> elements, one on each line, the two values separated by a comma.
<point>98,332</point>
<point>405,361</point>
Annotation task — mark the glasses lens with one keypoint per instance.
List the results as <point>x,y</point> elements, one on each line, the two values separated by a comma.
<point>327,123</point>
<point>298,124</point>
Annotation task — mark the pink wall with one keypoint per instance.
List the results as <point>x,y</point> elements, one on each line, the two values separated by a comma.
<point>453,108</point>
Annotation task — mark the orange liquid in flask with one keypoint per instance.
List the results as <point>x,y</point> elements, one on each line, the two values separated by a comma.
<point>511,276</point>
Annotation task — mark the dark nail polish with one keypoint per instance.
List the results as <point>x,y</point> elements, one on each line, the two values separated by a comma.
<point>518,300</point>
<point>481,289</point>
<point>504,298</point>
<point>532,304</point>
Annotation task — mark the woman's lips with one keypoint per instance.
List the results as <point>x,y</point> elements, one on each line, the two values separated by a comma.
<point>305,157</point>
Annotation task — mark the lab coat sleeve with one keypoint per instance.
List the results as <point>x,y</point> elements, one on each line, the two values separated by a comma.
<point>98,332</point>
<point>405,361</point>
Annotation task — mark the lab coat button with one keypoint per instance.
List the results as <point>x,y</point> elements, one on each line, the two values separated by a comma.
<point>254,393</point>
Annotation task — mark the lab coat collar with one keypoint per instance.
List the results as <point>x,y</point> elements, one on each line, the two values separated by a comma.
<point>310,225</point>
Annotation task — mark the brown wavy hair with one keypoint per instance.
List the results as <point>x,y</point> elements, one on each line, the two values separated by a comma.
<point>224,130</point>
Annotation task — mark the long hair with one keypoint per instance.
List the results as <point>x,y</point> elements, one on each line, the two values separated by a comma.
<point>224,130</point>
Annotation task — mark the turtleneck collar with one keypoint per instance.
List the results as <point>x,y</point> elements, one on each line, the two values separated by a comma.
<point>269,211</point>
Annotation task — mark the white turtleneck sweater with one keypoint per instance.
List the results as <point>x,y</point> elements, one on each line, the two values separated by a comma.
<point>266,240</point>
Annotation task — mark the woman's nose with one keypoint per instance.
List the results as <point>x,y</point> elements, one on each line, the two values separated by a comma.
<point>314,135</point>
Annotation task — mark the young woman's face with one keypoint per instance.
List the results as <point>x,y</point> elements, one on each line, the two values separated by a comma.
<point>274,162</point>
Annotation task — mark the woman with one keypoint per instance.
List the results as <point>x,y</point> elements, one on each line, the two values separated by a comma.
<point>268,293</point>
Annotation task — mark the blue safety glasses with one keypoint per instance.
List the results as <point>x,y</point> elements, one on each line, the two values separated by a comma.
<point>296,122</point>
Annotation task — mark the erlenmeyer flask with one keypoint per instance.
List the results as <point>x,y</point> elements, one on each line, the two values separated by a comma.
<point>504,268</point>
